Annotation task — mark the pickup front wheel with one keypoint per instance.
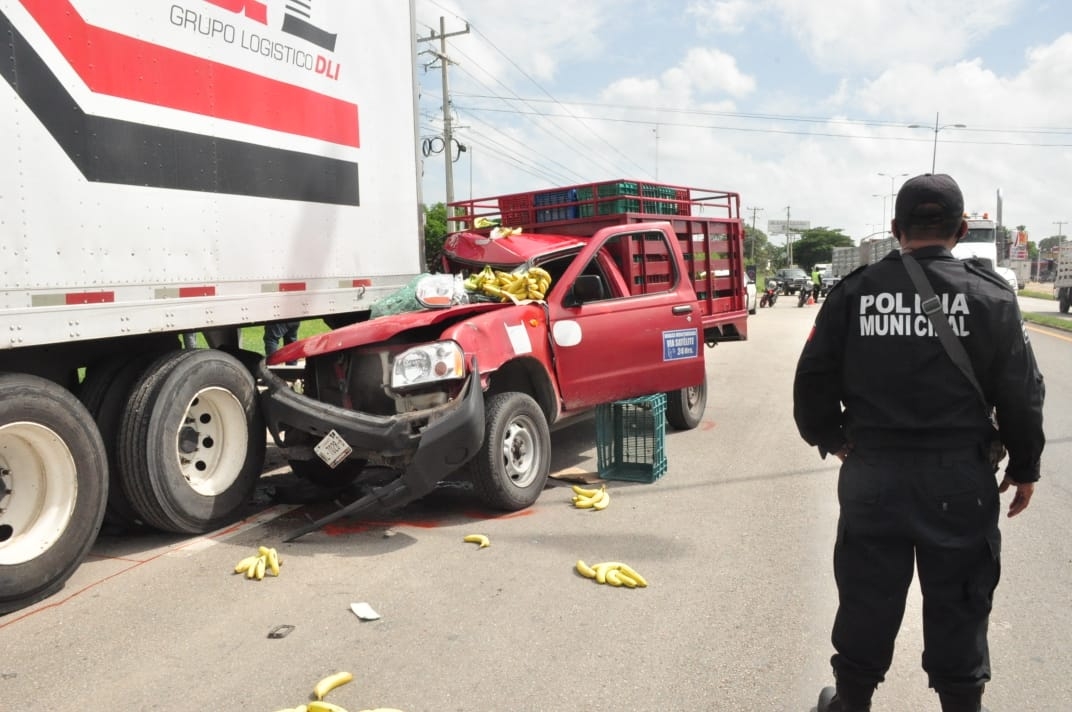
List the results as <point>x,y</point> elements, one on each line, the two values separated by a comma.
<point>511,468</point>
<point>685,408</point>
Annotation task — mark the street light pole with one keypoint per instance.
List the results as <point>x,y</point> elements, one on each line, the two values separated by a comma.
<point>937,128</point>
<point>754,211</point>
<point>883,196</point>
<point>893,195</point>
<point>1060,238</point>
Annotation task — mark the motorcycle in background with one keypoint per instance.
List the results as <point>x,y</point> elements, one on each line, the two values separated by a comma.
<point>770,293</point>
<point>810,290</point>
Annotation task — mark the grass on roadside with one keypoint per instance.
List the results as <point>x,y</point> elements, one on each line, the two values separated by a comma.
<point>253,336</point>
<point>1035,295</point>
<point>1054,322</point>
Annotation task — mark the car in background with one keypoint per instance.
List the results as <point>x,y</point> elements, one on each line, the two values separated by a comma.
<point>1010,277</point>
<point>792,279</point>
<point>829,281</point>
<point>750,292</point>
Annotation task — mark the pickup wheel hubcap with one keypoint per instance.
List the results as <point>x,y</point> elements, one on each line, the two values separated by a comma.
<point>520,455</point>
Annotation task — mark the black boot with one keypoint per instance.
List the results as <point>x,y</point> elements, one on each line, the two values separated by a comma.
<point>830,701</point>
<point>962,700</point>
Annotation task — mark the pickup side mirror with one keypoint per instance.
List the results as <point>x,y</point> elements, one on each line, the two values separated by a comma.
<point>587,288</point>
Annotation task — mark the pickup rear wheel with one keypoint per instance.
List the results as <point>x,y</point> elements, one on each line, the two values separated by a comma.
<point>685,408</point>
<point>191,443</point>
<point>510,471</point>
<point>53,488</point>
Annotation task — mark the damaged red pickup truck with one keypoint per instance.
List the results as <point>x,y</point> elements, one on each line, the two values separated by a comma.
<point>638,285</point>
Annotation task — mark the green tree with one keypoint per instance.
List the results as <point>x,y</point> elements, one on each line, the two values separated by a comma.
<point>817,245</point>
<point>1049,243</point>
<point>435,232</point>
<point>756,248</point>
<point>779,256</point>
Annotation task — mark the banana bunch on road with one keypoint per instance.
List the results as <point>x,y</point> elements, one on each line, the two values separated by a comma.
<point>590,498</point>
<point>255,567</point>
<point>613,572</point>
<point>480,539</point>
<point>320,706</point>
<point>322,688</point>
<point>533,283</point>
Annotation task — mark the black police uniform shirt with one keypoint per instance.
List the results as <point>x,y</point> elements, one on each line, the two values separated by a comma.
<point>874,373</point>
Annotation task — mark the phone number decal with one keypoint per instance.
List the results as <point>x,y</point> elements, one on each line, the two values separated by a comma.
<point>680,344</point>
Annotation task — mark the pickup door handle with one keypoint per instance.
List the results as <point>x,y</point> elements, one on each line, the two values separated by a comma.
<point>682,309</point>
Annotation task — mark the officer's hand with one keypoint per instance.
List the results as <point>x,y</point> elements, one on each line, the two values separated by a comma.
<point>1024,490</point>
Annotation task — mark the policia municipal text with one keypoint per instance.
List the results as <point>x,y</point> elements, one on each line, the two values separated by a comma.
<point>916,484</point>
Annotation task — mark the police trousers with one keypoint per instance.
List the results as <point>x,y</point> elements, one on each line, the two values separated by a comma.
<point>938,511</point>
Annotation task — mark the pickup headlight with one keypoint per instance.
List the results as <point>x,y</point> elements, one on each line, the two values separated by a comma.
<point>428,363</point>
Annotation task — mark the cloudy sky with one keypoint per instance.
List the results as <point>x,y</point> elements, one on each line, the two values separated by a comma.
<point>798,105</point>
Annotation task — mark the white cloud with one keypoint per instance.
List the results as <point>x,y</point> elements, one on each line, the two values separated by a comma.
<point>669,113</point>
<point>729,16</point>
<point>702,72</point>
<point>712,70</point>
<point>535,38</point>
<point>872,34</point>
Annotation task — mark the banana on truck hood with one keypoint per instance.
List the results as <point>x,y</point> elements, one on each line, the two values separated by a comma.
<point>376,331</point>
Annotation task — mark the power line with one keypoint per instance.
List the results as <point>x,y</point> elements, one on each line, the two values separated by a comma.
<point>789,132</point>
<point>551,98</point>
<point>786,117</point>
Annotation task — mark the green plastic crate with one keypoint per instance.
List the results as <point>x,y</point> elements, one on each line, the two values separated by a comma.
<point>631,439</point>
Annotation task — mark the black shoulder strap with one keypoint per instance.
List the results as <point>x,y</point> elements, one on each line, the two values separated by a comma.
<point>932,307</point>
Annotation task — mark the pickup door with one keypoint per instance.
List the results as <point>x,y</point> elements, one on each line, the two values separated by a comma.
<point>642,337</point>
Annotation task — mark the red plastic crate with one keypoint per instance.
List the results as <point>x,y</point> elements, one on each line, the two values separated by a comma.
<point>516,209</point>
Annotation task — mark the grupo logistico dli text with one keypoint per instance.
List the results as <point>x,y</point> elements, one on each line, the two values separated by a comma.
<point>217,29</point>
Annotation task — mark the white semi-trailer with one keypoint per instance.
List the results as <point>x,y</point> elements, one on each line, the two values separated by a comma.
<point>176,167</point>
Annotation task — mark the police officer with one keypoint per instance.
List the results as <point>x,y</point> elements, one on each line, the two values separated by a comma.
<point>875,387</point>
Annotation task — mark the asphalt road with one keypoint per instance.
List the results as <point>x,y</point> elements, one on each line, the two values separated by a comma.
<point>735,540</point>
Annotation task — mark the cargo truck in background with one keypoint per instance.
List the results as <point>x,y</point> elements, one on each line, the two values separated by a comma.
<point>594,293</point>
<point>980,242</point>
<point>174,168</point>
<point>1062,283</point>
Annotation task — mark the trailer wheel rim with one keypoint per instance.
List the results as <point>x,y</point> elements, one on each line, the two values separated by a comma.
<point>521,454</point>
<point>211,443</point>
<point>38,491</point>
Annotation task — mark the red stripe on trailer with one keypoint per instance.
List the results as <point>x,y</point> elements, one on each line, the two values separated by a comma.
<point>362,282</point>
<point>292,286</point>
<point>89,297</point>
<point>197,291</point>
<point>173,79</point>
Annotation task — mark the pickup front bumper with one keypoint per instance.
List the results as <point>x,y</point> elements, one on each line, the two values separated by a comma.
<point>435,441</point>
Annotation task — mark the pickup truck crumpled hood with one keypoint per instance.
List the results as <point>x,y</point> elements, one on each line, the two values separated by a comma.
<point>510,250</point>
<point>377,330</point>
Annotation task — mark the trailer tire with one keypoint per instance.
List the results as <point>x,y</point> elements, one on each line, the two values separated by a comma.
<point>105,392</point>
<point>191,442</point>
<point>685,408</point>
<point>510,470</point>
<point>47,439</point>
<point>1063,300</point>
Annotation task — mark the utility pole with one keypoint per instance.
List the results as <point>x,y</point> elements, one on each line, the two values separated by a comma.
<point>754,211</point>
<point>788,239</point>
<point>448,135</point>
<point>1060,238</point>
